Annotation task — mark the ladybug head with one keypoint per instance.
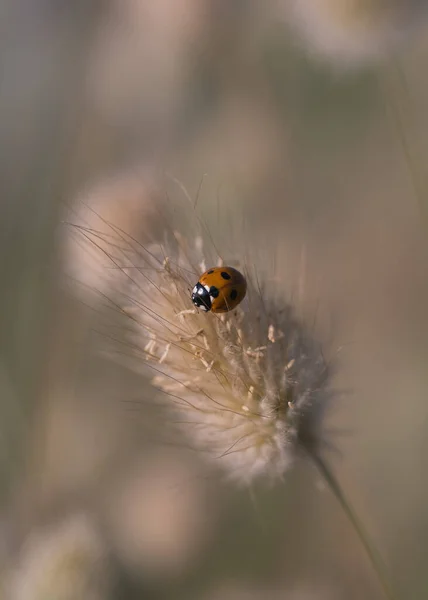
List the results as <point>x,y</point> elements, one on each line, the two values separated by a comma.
<point>201,297</point>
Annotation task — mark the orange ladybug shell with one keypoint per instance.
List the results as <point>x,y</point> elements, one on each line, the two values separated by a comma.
<point>219,290</point>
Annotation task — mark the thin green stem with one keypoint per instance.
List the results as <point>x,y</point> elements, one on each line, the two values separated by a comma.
<point>394,84</point>
<point>373,554</point>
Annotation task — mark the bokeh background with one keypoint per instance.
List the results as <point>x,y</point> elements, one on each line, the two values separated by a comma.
<point>308,117</point>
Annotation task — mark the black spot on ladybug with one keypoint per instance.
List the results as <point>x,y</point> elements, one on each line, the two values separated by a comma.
<point>225,275</point>
<point>214,291</point>
<point>210,271</point>
<point>233,294</point>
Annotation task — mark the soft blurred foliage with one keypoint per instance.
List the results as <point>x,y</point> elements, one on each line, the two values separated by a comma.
<point>325,157</point>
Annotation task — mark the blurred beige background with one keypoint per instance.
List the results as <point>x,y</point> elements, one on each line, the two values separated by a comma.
<point>319,137</point>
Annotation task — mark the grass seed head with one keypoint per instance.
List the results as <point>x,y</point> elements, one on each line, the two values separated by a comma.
<point>353,33</point>
<point>246,387</point>
<point>64,561</point>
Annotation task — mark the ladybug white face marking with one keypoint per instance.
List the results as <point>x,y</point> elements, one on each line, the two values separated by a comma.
<point>201,297</point>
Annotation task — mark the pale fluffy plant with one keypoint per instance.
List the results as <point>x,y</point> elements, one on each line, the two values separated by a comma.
<point>63,561</point>
<point>354,32</point>
<point>248,387</point>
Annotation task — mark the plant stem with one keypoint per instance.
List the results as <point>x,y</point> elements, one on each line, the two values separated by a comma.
<point>393,85</point>
<point>373,554</point>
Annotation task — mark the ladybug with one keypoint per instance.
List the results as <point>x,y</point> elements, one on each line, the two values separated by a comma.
<point>219,290</point>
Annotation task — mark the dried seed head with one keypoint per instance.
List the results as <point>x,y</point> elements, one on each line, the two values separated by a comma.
<point>355,32</point>
<point>246,386</point>
<point>64,561</point>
